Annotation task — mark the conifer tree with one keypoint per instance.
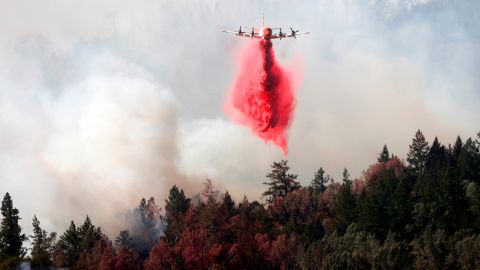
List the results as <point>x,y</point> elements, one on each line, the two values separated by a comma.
<point>346,178</point>
<point>320,181</point>
<point>436,156</point>
<point>70,245</point>
<point>209,191</point>
<point>88,234</point>
<point>384,155</point>
<point>42,246</point>
<point>141,209</point>
<point>124,240</point>
<point>11,236</point>
<point>469,161</point>
<point>175,206</point>
<point>417,156</point>
<point>344,210</point>
<point>228,205</point>
<point>280,181</point>
<point>452,200</point>
<point>177,202</point>
<point>457,150</point>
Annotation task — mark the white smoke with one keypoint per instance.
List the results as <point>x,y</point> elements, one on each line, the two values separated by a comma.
<point>93,145</point>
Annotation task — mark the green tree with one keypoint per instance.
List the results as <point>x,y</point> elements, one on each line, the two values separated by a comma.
<point>469,161</point>
<point>436,158</point>
<point>417,156</point>
<point>320,181</point>
<point>473,195</point>
<point>393,255</point>
<point>429,250</point>
<point>280,181</point>
<point>175,206</point>
<point>384,155</point>
<point>88,234</point>
<point>123,240</point>
<point>227,206</point>
<point>457,150</point>
<point>11,236</point>
<point>70,246</point>
<point>176,203</point>
<point>42,246</point>
<point>384,207</point>
<point>452,202</point>
<point>346,204</point>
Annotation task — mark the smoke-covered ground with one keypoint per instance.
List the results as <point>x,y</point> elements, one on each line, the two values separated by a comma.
<point>102,103</point>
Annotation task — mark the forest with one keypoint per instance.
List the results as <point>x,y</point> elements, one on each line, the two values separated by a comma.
<point>420,212</point>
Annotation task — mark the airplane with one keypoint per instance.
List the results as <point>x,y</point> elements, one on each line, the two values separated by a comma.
<point>266,33</point>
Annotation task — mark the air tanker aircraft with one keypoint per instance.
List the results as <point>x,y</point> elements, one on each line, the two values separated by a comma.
<point>266,32</point>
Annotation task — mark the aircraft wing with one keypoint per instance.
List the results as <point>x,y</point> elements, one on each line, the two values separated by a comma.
<point>275,36</point>
<point>297,34</point>
<point>243,34</point>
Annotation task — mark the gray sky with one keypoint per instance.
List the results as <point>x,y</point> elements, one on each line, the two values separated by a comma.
<point>105,102</point>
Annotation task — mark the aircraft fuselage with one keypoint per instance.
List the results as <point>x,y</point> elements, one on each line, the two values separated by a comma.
<point>265,32</point>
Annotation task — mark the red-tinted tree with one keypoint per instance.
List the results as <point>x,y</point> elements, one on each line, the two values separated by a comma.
<point>162,257</point>
<point>194,249</point>
<point>107,260</point>
<point>127,259</point>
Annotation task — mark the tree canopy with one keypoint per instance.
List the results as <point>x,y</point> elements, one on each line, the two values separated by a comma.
<point>424,214</point>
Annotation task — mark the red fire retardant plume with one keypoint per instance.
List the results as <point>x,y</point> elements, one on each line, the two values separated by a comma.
<point>262,96</point>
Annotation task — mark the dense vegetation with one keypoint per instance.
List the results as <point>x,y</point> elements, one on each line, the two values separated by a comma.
<point>420,214</point>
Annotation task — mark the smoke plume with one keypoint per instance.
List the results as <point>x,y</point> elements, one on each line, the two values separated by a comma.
<point>262,96</point>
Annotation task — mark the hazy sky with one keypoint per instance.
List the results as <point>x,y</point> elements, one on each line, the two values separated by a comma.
<point>105,102</point>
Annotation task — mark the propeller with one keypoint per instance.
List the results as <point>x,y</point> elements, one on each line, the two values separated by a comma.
<point>253,32</point>
<point>280,34</point>
<point>293,32</point>
<point>240,31</point>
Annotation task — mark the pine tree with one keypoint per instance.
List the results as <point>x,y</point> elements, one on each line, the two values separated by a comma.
<point>469,161</point>
<point>141,209</point>
<point>384,155</point>
<point>42,246</point>
<point>177,203</point>
<point>453,202</point>
<point>457,149</point>
<point>417,156</point>
<point>88,234</point>
<point>320,181</point>
<point>11,236</point>
<point>70,245</point>
<point>345,208</point>
<point>281,182</point>
<point>209,191</point>
<point>145,231</point>
<point>175,206</point>
<point>228,205</point>
<point>124,240</point>
<point>436,156</point>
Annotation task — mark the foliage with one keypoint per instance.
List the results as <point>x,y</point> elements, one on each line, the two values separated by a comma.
<point>42,246</point>
<point>280,181</point>
<point>424,215</point>
<point>417,156</point>
<point>384,155</point>
<point>320,181</point>
<point>11,236</point>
